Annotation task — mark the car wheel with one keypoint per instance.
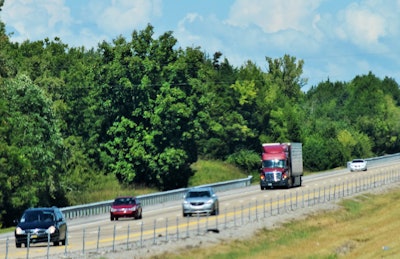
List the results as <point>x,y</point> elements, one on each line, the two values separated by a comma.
<point>63,242</point>
<point>112,218</point>
<point>138,216</point>
<point>56,243</point>
<point>17,245</point>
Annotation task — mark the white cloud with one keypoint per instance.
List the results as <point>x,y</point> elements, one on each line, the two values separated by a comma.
<point>274,15</point>
<point>41,18</point>
<point>362,26</point>
<point>370,24</point>
<point>123,16</point>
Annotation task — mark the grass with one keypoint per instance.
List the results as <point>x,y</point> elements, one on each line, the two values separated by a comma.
<point>107,187</point>
<point>363,227</point>
<point>6,230</point>
<point>210,171</point>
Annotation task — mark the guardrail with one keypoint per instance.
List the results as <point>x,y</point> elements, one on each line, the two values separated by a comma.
<point>102,207</point>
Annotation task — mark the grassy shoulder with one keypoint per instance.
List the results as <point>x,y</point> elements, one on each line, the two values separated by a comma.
<point>365,226</point>
<point>107,187</point>
<point>212,171</point>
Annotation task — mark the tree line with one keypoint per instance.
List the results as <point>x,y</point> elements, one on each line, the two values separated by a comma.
<point>143,110</point>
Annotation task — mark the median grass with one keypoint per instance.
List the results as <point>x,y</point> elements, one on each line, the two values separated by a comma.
<point>365,226</point>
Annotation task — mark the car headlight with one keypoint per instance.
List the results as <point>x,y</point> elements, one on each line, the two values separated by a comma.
<point>210,201</point>
<point>19,231</point>
<point>185,202</point>
<point>51,229</point>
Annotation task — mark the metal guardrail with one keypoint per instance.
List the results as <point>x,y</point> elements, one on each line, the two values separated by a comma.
<point>103,207</point>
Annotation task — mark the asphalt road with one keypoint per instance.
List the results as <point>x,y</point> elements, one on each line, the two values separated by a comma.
<point>166,221</point>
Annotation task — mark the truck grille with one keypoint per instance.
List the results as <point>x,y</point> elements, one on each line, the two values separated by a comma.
<point>273,176</point>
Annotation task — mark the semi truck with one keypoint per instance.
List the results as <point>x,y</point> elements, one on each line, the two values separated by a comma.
<point>281,165</point>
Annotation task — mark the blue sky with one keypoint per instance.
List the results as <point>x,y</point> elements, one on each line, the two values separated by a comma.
<point>337,39</point>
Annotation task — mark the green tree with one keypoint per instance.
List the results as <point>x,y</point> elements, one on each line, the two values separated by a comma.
<point>31,148</point>
<point>152,110</point>
<point>285,118</point>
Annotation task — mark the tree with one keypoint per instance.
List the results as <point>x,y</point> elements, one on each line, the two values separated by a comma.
<point>286,73</point>
<point>30,147</point>
<point>152,111</point>
<point>284,93</point>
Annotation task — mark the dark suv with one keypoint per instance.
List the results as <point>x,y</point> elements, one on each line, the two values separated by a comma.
<point>41,225</point>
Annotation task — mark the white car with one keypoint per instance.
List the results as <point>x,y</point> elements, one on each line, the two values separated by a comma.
<point>358,165</point>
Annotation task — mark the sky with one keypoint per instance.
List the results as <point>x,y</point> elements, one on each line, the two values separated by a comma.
<point>337,39</point>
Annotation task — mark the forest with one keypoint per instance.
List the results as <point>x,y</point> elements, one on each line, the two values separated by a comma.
<point>143,111</point>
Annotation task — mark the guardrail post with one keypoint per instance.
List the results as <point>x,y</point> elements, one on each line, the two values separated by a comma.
<point>257,210</point>
<point>48,244</point>
<point>154,232</point>
<point>198,224</point>
<point>141,234</point>
<point>226,215</point>
<point>7,241</point>
<point>113,245</point>
<point>241,214</point>
<point>234,215</point>
<point>187,226</point>
<point>66,242</point>
<point>177,228</point>
<point>83,242</point>
<point>28,244</point>
<point>98,239</point>
<point>127,236</point>
<point>166,230</point>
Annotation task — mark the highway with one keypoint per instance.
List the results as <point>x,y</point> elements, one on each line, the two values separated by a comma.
<point>165,221</point>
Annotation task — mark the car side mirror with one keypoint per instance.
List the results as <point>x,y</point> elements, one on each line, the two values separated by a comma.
<point>16,221</point>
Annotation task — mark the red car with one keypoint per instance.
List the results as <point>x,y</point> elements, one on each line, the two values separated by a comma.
<point>125,207</point>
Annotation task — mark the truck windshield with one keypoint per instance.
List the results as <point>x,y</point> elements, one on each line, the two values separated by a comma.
<point>274,163</point>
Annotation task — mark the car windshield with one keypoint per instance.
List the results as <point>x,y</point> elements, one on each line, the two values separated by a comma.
<point>38,216</point>
<point>274,163</point>
<point>122,201</point>
<point>195,194</point>
<point>358,161</point>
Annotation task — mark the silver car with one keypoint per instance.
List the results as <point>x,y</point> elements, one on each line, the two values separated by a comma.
<point>358,165</point>
<point>200,200</point>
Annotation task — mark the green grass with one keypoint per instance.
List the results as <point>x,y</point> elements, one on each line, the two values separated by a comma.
<point>6,230</point>
<point>211,171</point>
<point>107,187</point>
<point>360,228</point>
